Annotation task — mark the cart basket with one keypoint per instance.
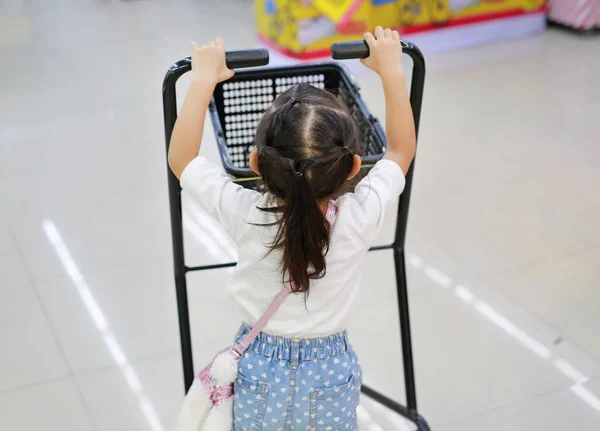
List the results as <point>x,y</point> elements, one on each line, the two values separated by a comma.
<point>239,103</point>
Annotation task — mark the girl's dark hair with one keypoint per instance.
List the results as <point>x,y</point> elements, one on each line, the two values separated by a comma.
<point>306,143</point>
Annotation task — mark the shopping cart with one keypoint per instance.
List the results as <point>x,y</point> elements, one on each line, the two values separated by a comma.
<point>235,110</point>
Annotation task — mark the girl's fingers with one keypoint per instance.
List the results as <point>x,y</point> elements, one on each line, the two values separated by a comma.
<point>379,32</point>
<point>369,38</point>
<point>218,43</point>
<point>396,36</point>
<point>388,33</point>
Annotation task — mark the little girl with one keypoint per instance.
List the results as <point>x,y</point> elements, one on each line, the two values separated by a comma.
<point>301,373</point>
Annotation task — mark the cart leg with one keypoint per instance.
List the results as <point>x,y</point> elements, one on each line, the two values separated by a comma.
<point>183,312</point>
<point>407,354</point>
<point>184,332</point>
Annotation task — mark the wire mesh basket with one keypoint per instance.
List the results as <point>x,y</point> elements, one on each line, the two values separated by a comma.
<point>239,103</point>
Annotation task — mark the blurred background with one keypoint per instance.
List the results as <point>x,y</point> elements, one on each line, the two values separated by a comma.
<point>503,238</point>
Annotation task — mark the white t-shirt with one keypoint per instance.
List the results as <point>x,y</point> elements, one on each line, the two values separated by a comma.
<point>257,279</point>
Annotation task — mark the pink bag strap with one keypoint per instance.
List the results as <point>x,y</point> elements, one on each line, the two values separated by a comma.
<point>243,345</point>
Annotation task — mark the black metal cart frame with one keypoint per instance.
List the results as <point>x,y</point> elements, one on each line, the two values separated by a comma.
<point>180,269</point>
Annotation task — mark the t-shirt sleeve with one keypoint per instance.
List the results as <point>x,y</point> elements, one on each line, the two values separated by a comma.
<point>217,194</point>
<point>372,197</point>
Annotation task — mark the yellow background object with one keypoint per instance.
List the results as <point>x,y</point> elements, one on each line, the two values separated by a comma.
<point>424,12</point>
<point>385,15</point>
<point>307,28</point>
<point>335,9</point>
<point>298,26</point>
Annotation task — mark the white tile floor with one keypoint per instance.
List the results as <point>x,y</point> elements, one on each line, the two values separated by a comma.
<point>504,239</point>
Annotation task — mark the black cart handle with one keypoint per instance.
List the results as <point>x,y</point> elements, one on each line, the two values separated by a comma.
<point>233,60</point>
<point>349,50</point>
<point>358,49</point>
<point>246,58</point>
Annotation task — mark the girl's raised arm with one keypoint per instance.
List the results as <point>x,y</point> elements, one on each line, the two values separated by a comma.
<point>208,69</point>
<point>386,60</point>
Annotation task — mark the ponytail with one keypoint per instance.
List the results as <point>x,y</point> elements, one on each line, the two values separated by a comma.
<point>306,143</point>
<point>303,234</point>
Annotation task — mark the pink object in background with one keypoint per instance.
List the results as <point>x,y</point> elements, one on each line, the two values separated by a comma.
<point>579,14</point>
<point>350,13</point>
